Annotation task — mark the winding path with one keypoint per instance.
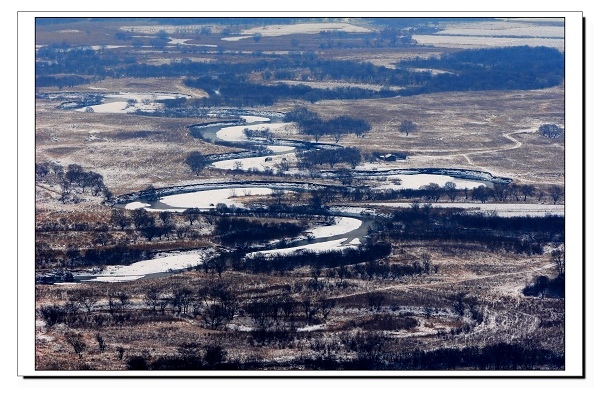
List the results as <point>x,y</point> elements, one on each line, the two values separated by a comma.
<point>507,135</point>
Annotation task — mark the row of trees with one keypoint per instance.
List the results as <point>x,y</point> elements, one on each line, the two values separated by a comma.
<point>486,69</point>
<point>311,124</point>
<point>349,155</point>
<point>551,131</point>
<point>502,192</point>
<point>434,192</point>
<point>70,180</point>
<point>516,234</point>
<point>243,232</point>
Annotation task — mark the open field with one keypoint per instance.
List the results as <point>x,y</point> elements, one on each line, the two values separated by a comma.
<point>182,227</point>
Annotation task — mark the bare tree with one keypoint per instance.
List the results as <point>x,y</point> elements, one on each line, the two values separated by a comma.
<point>119,218</point>
<point>555,192</point>
<point>407,126</point>
<point>288,305</point>
<point>120,352</point>
<point>426,261</point>
<point>191,214</point>
<point>101,343</point>
<point>87,299</point>
<point>450,189</point>
<point>278,195</point>
<point>326,305</point>
<point>76,341</point>
<point>527,190</point>
<point>214,355</point>
<point>196,161</point>
<point>182,300</point>
<point>558,257</point>
<point>501,191</point>
<point>315,271</point>
<point>551,130</point>
<point>375,300</point>
<point>309,307</point>
<point>260,312</point>
<point>153,298</point>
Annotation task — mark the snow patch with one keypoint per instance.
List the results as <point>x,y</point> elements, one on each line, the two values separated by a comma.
<point>160,264</point>
<point>342,225</point>
<point>136,205</point>
<point>333,245</point>
<point>210,198</point>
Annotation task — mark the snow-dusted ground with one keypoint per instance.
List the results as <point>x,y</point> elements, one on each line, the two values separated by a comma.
<point>256,163</point>
<point>210,198</point>
<point>178,41</point>
<point>430,70</point>
<point>117,103</point>
<point>278,149</point>
<point>236,133</point>
<point>352,210</point>
<point>253,119</point>
<point>307,28</point>
<point>164,262</point>
<point>418,180</point>
<point>504,29</point>
<point>505,210</point>
<point>136,205</point>
<point>342,225</point>
<point>314,327</point>
<point>380,166</point>
<point>333,245</point>
<point>485,42</point>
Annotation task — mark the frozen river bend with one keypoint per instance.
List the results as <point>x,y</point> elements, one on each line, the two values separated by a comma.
<point>348,225</point>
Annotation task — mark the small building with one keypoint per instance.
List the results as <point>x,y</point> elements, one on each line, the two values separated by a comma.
<point>388,157</point>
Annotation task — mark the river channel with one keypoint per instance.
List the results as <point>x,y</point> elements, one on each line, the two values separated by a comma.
<point>350,224</point>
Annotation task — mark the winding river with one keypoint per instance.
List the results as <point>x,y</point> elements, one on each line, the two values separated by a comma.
<point>350,224</point>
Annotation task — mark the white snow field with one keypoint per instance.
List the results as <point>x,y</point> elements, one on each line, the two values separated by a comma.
<point>333,245</point>
<point>256,163</point>
<point>306,28</point>
<point>162,263</point>
<point>342,225</point>
<point>210,198</point>
<point>236,133</point>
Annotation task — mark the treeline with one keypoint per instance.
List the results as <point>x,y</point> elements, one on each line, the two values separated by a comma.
<point>60,81</point>
<point>311,124</point>
<point>327,259</point>
<point>120,254</point>
<point>243,232</point>
<point>506,68</point>
<point>309,159</point>
<point>502,356</point>
<point>234,91</point>
<point>70,180</point>
<point>370,356</point>
<point>434,192</point>
<point>526,235</point>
